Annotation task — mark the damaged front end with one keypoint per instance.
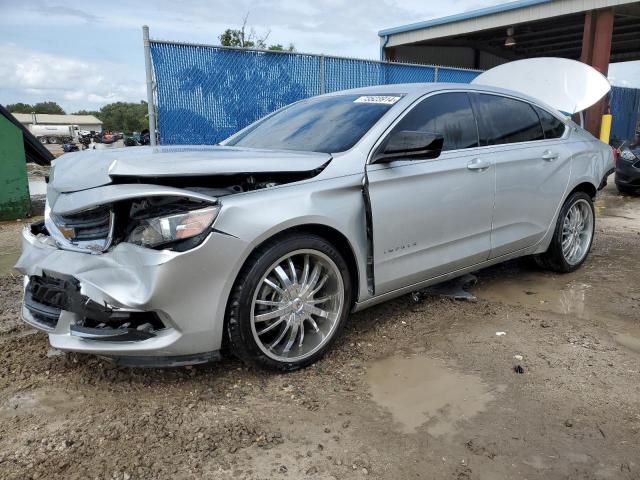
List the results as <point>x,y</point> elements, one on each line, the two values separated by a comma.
<point>46,296</point>
<point>134,269</point>
<point>128,279</point>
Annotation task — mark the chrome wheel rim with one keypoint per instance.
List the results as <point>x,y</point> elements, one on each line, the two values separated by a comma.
<point>577,230</point>
<point>297,305</point>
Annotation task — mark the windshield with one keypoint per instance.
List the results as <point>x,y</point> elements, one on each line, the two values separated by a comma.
<point>321,124</point>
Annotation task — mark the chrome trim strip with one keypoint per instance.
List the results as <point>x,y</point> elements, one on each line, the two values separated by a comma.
<point>30,320</point>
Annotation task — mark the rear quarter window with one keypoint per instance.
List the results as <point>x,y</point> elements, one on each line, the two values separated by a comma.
<point>551,126</point>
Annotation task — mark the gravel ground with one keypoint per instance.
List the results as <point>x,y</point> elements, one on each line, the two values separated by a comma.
<point>415,388</point>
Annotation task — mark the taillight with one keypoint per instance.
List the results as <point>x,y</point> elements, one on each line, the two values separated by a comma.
<point>615,156</point>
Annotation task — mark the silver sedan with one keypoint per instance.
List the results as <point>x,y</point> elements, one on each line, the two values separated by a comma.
<point>264,244</point>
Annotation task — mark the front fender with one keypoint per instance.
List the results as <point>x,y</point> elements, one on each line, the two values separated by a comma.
<point>255,217</point>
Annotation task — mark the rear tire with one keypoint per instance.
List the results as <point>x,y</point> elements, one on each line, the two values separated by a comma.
<point>573,235</point>
<point>289,303</point>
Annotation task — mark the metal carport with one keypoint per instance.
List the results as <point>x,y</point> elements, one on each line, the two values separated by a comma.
<point>597,32</point>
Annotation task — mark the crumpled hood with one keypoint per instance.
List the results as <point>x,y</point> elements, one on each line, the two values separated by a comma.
<point>93,168</point>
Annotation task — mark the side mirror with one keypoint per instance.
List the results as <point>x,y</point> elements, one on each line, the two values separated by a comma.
<point>408,145</point>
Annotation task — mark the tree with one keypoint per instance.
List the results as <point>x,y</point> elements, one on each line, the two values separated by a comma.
<point>20,107</point>
<point>249,39</point>
<point>48,107</point>
<point>279,48</point>
<point>123,116</point>
<point>234,38</point>
<point>40,107</point>
<point>95,113</point>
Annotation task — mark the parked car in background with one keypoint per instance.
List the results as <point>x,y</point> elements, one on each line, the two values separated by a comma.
<point>145,137</point>
<point>108,137</point>
<point>70,147</point>
<point>159,256</point>
<point>137,139</point>
<point>627,176</point>
<point>132,140</point>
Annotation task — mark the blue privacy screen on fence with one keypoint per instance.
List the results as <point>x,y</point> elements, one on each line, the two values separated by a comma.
<point>625,108</point>
<point>206,93</point>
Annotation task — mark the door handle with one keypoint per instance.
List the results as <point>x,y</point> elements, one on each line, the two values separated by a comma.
<point>478,164</point>
<point>549,156</point>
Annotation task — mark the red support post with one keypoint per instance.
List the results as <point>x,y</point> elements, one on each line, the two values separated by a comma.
<point>596,51</point>
<point>587,38</point>
<point>602,41</point>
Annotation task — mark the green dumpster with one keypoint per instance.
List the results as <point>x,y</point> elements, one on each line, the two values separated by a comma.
<point>14,186</point>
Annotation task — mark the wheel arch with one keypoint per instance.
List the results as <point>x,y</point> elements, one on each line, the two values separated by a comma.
<point>586,187</point>
<point>331,235</point>
<point>342,244</point>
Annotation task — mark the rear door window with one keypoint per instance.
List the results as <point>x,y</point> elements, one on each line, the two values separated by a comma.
<point>503,120</point>
<point>552,127</point>
<point>449,114</point>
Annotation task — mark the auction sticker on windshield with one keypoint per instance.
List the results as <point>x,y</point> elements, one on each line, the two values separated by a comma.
<point>383,99</point>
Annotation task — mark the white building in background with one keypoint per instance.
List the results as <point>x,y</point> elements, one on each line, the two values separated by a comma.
<point>85,122</point>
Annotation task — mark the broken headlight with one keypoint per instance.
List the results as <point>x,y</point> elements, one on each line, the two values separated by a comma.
<point>163,230</point>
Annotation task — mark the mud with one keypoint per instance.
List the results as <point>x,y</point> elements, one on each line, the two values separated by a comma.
<point>628,341</point>
<point>9,246</point>
<point>413,389</point>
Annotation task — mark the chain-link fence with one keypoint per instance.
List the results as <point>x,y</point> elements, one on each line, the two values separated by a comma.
<point>206,93</point>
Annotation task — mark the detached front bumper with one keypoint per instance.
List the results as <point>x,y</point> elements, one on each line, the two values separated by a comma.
<point>145,307</point>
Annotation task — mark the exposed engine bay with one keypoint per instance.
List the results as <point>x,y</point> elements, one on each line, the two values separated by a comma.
<point>222,185</point>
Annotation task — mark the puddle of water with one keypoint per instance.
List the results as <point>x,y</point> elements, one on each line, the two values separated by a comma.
<point>610,204</point>
<point>628,341</point>
<point>552,293</point>
<point>620,211</point>
<point>540,291</point>
<point>419,390</point>
<point>537,462</point>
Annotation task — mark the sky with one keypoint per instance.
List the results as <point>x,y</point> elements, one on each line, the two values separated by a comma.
<point>86,54</point>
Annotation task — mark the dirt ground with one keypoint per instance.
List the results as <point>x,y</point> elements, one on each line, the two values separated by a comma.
<point>414,389</point>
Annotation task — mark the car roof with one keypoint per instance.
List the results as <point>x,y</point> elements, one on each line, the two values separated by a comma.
<point>415,90</point>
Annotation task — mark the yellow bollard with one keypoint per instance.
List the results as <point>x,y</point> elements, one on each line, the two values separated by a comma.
<point>605,128</point>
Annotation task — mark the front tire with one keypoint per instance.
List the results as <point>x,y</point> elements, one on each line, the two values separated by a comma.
<point>572,237</point>
<point>289,303</point>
